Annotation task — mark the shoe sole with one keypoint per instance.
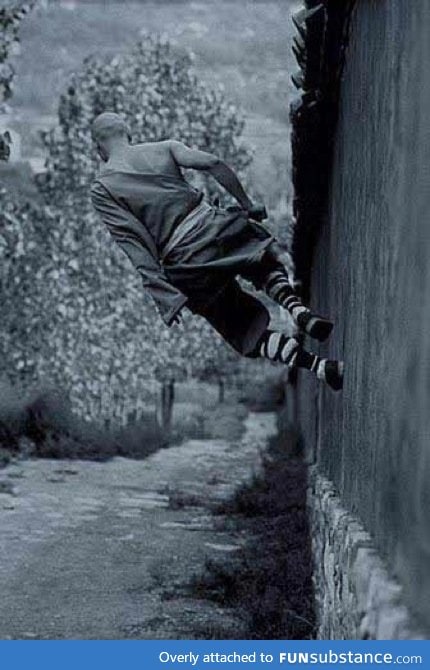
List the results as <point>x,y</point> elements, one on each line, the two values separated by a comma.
<point>333,379</point>
<point>319,329</point>
<point>340,370</point>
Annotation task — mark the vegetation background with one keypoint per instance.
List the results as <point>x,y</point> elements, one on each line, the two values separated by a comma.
<point>76,323</point>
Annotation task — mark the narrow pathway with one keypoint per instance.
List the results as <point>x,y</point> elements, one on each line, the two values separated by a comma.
<point>86,548</point>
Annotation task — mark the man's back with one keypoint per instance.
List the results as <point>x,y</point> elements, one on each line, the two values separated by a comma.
<point>148,157</point>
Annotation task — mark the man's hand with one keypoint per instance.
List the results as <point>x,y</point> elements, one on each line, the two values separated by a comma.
<point>257,213</point>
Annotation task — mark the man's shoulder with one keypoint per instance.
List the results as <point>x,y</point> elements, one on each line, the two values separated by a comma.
<point>160,146</point>
<point>158,143</point>
<point>157,156</point>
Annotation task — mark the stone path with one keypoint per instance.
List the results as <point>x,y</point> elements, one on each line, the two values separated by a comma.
<point>88,550</point>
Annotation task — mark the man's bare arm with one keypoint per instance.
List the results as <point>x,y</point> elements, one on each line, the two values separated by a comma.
<point>202,160</point>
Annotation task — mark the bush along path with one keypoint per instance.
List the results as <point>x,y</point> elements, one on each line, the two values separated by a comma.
<point>112,549</point>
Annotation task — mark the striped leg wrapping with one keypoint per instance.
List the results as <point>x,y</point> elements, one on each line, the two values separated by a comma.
<point>278,287</point>
<point>315,365</point>
<point>278,347</point>
<point>280,290</point>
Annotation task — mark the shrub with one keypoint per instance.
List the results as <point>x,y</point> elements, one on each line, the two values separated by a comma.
<point>43,425</point>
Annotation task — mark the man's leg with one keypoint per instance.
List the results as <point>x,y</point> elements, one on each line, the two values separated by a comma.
<point>278,287</point>
<point>279,348</point>
<point>242,320</point>
<point>271,276</point>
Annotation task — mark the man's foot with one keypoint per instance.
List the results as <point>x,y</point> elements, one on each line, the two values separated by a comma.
<point>314,325</point>
<point>331,372</point>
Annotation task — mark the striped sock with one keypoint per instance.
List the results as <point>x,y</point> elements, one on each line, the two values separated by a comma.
<point>279,348</point>
<point>280,290</point>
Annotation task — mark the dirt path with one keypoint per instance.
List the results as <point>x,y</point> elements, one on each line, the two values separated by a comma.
<point>87,548</point>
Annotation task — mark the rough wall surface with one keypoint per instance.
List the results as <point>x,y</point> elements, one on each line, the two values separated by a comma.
<point>356,596</point>
<point>371,273</point>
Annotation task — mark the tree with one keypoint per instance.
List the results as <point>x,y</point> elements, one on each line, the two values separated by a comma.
<point>20,227</point>
<point>63,315</point>
<point>10,19</point>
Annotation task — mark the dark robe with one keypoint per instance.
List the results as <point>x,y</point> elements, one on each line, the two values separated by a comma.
<point>141,211</point>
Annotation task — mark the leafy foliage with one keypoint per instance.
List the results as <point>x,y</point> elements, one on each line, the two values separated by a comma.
<point>68,317</point>
<point>10,19</point>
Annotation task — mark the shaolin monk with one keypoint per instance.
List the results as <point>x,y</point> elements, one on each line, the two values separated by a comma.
<point>189,252</point>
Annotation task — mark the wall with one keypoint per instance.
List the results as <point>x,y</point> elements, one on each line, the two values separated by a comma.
<point>371,273</point>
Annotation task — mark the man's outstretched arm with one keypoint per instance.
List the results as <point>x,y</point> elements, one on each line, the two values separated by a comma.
<point>201,160</point>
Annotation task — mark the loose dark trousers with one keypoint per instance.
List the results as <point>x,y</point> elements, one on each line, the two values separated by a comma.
<point>239,317</point>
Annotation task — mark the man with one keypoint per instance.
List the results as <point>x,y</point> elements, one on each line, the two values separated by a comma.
<point>189,252</point>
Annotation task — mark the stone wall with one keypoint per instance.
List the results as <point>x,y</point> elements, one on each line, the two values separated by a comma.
<point>370,445</point>
<point>356,596</point>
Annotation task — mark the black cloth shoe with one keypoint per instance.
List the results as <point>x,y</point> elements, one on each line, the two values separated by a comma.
<point>314,325</point>
<point>331,372</point>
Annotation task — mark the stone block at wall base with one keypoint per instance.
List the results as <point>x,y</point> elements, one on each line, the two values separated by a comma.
<point>355,596</point>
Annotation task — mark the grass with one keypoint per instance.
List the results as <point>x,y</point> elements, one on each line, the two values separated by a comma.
<point>270,583</point>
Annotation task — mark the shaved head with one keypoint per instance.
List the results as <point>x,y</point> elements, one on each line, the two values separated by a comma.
<point>108,126</point>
